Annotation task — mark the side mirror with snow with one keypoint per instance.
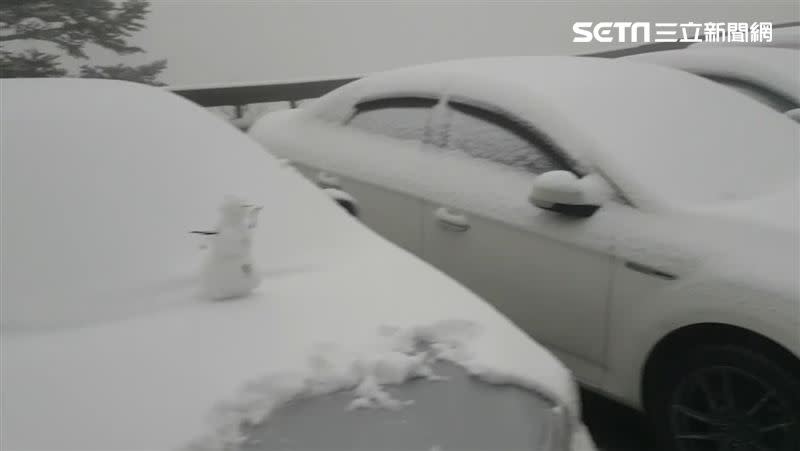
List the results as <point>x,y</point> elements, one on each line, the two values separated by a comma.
<point>565,193</point>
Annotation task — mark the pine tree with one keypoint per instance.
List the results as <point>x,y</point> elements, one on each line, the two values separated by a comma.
<point>70,25</point>
<point>146,73</point>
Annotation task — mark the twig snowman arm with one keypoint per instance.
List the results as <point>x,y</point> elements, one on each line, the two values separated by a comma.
<point>204,232</point>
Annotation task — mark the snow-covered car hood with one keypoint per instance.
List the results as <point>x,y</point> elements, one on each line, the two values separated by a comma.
<point>106,341</point>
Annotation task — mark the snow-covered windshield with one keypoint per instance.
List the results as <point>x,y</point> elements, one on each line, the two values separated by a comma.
<point>460,414</point>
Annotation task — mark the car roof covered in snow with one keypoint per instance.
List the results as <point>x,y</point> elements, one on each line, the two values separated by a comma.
<point>107,342</point>
<point>773,69</point>
<point>784,37</point>
<point>639,124</point>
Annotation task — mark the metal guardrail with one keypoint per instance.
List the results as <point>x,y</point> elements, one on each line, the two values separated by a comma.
<point>261,92</point>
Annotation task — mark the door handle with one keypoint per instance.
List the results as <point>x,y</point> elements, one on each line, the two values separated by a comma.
<point>327,180</point>
<point>451,221</point>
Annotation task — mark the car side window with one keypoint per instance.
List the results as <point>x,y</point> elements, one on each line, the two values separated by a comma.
<point>403,118</point>
<point>496,137</point>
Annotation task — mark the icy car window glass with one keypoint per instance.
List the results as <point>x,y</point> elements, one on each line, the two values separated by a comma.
<point>401,117</point>
<point>484,134</point>
<point>459,413</point>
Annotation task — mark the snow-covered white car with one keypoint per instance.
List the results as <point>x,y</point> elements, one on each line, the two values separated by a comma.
<point>639,220</point>
<point>769,75</point>
<point>348,343</point>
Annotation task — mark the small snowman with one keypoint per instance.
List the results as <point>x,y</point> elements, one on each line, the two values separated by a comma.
<point>228,271</point>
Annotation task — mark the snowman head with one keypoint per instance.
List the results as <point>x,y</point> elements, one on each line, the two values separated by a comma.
<point>234,210</point>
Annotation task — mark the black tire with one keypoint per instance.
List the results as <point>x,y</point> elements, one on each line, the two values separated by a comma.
<point>724,398</point>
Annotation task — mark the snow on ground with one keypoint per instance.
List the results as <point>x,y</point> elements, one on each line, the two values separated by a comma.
<point>107,342</point>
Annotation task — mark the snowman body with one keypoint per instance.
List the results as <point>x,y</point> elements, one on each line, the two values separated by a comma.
<point>228,271</point>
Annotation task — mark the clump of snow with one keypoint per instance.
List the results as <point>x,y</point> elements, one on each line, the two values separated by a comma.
<point>228,271</point>
<point>394,367</point>
<point>372,395</point>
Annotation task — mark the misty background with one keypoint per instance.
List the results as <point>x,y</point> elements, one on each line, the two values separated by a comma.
<point>219,41</point>
<point>234,41</point>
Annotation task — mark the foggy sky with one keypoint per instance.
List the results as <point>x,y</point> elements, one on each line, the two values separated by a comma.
<point>216,41</point>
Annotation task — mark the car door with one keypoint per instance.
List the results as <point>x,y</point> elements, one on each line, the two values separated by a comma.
<point>546,272</point>
<point>381,142</point>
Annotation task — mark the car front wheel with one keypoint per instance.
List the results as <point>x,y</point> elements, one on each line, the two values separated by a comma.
<point>725,398</point>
